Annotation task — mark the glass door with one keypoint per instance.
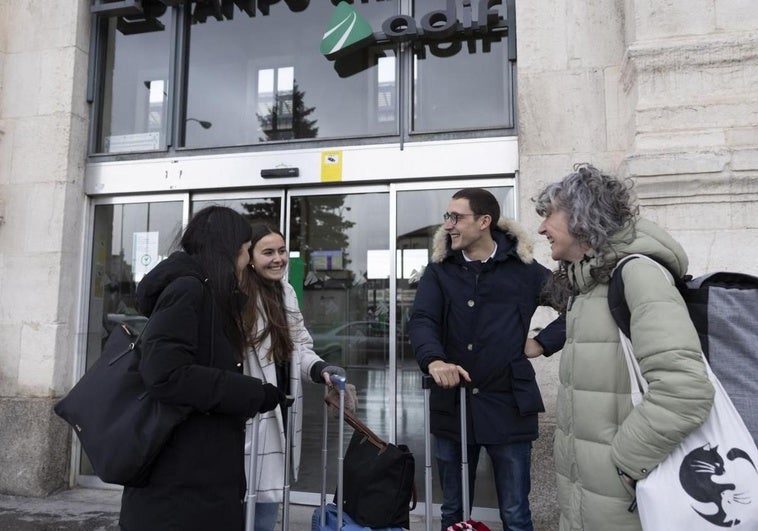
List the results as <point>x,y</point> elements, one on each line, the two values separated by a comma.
<point>129,236</point>
<point>418,216</point>
<point>339,242</point>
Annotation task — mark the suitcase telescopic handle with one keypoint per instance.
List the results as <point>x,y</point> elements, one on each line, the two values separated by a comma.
<point>252,493</point>
<point>427,382</point>
<point>288,402</point>
<point>339,381</point>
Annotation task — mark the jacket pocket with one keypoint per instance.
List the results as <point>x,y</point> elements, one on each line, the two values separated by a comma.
<point>525,389</point>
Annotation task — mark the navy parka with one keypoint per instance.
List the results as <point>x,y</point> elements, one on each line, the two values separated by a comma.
<point>478,316</point>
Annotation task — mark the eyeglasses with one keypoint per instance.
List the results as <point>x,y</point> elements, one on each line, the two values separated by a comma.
<point>453,218</point>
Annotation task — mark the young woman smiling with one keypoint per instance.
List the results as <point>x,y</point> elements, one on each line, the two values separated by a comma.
<point>280,352</point>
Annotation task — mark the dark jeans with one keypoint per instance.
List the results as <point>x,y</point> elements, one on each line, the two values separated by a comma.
<point>511,468</point>
<point>265,516</point>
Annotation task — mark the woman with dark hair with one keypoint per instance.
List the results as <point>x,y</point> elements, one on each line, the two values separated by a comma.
<point>193,357</point>
<point>603,444</point>
<point>281,353</point>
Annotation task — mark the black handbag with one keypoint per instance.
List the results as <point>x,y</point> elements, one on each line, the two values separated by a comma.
<point>378,478</point>
<point>121,428</point>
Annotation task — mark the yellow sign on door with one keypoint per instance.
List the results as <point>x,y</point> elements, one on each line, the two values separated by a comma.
<point>331,166</point>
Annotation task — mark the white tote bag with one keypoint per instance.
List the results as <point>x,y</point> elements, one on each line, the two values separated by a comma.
<point>710,481</point>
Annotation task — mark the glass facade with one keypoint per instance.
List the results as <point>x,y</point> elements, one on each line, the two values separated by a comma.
<point>263,79</point>
<point>243,80</point>
<point>135,91</point>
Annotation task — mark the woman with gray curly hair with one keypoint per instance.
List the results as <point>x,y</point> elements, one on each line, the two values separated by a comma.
<point>603,445</point>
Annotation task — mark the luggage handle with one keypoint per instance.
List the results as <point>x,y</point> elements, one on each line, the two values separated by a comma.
<point>427,382</point>
<point>357,423</point>
<point>288,403</point>
<point>372,437</point>
<point>340,382</point>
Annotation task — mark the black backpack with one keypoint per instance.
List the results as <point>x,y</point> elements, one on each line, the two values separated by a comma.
<point>724,309</point>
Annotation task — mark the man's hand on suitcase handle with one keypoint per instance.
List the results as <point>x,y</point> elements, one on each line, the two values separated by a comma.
<point>447,375</point>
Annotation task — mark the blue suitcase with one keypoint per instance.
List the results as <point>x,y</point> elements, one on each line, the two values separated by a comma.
<point>348,524</point>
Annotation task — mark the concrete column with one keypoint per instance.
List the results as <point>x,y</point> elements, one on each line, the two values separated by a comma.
<point>43,119</point>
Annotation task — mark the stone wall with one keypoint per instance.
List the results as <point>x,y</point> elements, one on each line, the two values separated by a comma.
<point>662,91</point>
<point>43,119</point>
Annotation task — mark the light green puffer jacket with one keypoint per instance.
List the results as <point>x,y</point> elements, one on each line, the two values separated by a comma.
<point>597,429</point>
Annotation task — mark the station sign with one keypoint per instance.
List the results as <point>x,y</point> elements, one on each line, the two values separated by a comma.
<point>348,31</point>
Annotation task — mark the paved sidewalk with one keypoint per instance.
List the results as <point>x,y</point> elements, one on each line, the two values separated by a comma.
<point>97,510</point>
<point>83,509</point>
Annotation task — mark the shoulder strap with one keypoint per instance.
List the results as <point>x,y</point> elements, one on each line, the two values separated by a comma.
<point>616,299</point>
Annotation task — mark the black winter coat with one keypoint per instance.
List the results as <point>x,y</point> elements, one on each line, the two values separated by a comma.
<point>479,318</point>
<point>198,481</point>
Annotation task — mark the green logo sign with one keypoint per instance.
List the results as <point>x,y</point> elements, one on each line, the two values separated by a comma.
<point>473,19</point>
<point>347,30</point>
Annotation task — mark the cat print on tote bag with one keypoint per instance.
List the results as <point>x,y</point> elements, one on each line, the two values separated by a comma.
<point>703,475</point>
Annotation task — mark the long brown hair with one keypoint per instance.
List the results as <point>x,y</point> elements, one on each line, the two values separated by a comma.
<point>266,300</point>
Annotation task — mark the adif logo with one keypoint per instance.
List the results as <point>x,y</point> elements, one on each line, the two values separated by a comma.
<point>347,30</point>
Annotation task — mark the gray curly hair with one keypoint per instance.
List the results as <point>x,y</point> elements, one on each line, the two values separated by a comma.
<point>597,206</point>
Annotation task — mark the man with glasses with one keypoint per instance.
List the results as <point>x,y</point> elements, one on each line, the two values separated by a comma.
<point>470,322</point>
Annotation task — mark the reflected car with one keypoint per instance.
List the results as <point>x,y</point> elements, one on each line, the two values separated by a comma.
<point>354,343</point>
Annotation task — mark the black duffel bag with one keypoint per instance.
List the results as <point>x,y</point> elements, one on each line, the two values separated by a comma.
<point>378,478</point>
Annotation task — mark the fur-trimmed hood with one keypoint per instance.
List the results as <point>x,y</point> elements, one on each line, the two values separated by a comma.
<point>524,242</point>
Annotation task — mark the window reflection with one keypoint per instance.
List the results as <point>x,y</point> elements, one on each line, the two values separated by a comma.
<point>340,242</point>
<point>129,240</point>
<point>263,79</point>
<point>282,112</point>
<point>345,304</point>
<point>464,84</point>
<point>386,93</point>
<point>266,210</point>
<point>135,95</point>
<point>156,104</point>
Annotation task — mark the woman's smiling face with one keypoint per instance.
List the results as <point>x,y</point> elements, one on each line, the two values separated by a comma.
<point>270,257</point>
<point>563,244</point>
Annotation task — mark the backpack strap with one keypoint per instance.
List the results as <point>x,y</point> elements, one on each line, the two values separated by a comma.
<point>616,298</point>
